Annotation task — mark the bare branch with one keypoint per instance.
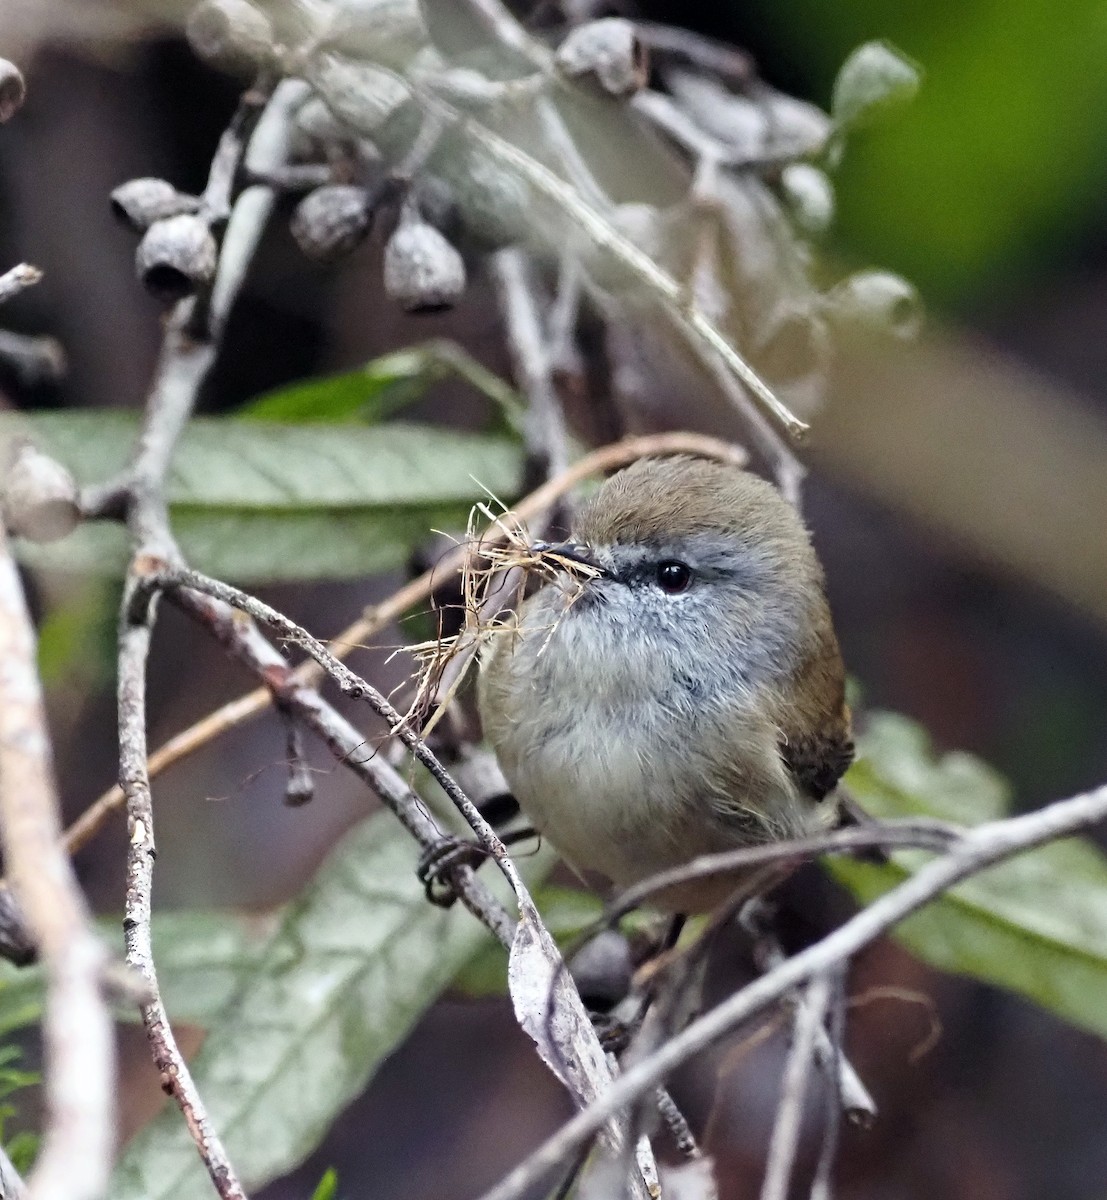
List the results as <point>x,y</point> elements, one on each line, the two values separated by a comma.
<point>80,1059</point>
<point>14,281</point>
<point>176,1079</point>
<point>545,424</point>
<point>786,1129</point>
<point>919,833</point>
<point>34,359</point>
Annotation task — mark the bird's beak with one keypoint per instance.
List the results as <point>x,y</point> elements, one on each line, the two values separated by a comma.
<point>573,551</point>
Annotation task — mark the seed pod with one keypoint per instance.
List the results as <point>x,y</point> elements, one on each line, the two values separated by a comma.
<point>422,270</point>
<point>230,34</point>
<point>877,299</point>
<point>13,90</point>
<point>810,197</point>
<point>39,497</point>
<point>138,203</point>
<point>608,52</point>
<point>332,220</point>
<point>176,256</point>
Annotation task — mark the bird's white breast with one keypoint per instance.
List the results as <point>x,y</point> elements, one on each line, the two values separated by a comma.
<point>609,755</point>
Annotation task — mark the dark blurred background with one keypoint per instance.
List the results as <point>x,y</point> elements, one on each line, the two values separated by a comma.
<point>958,497</point>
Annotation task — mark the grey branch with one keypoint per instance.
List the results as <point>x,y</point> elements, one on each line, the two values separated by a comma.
<point>980,848</point>
<point>797,1073</point>
<point>14,281</point>
<point>545,424</point>
<point>80,1055</point>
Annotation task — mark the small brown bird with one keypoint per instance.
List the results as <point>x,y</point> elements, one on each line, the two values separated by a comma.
<point>687,698</point>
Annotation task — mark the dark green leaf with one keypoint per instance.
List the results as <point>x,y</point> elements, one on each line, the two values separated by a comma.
<point>356,961</point>
<point>255,501</point>
<point>76,640</point>
<point>327,1187</point>
<point>381,387</point>
<point>369,393</point>
<point>1036,925</point>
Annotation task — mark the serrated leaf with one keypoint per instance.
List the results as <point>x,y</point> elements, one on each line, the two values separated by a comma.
<point>203,958</point>
<point>254,501</point>
<point>381,387</point>
<point>1036,924</point>
<point>357,959</point>
<point>875,79</point>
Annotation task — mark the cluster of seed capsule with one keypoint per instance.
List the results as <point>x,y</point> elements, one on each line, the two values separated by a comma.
<point>423,269</point>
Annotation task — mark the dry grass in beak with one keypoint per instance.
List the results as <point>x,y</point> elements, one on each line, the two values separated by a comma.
<point>492,582</point>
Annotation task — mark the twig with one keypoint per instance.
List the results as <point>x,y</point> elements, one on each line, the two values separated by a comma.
<point>80,1061</point>
<point>979,849</point>
<point>547,447</point>
<point>789,1114</point>
<point>853,1095</point>
<point>908,833</point>
<point>33,358</point>
<point>176,1079</point>
<point>677,1124</point>
<point>14,281</point>
<point>157,577</point>
<point>832,1130</point>
<point>735,66</point>
<point>237,712</point>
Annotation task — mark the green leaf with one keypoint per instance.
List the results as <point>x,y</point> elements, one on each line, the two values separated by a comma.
<point>874,80</point>
<point>382,387</point>
<point>327,1188</point>
<point>253,501</point>
<point>356,960</point>
<point>1036,925</point>
<point>77,637</point>
<point>203,959</point>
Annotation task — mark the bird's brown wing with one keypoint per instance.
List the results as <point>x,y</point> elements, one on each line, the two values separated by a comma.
<point>813,719</point>
<point>817,761</point>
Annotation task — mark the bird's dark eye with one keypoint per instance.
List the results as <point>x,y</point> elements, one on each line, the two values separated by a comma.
<point>673,576</point>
